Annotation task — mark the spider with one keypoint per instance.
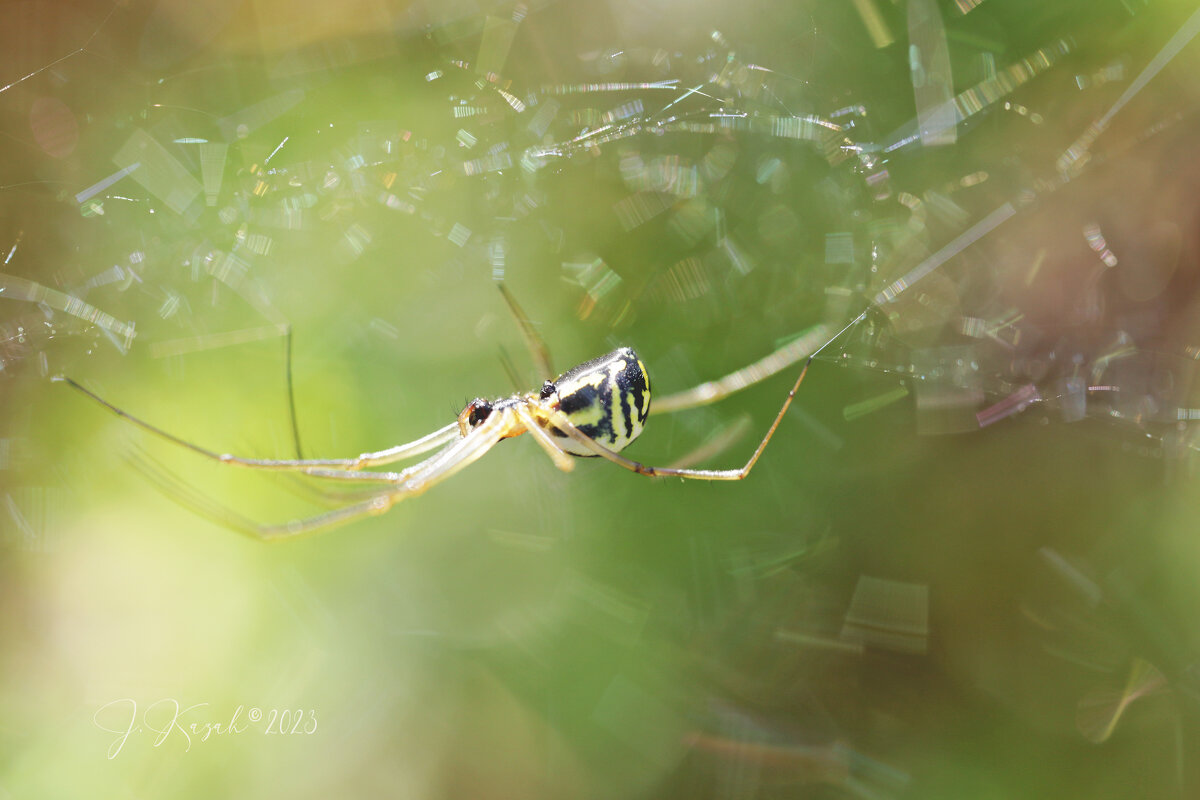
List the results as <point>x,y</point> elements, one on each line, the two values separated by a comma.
<point>595,409</point>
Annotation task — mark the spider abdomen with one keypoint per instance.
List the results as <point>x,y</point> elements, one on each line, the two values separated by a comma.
<point>607,398</point>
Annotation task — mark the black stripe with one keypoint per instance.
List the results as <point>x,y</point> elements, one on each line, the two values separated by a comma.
<point>626,412</point>
<point>605,400</point>
<point>585,397</point>
<point>638,386</point>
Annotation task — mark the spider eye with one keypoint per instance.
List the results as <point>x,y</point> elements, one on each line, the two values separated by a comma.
<point>478,411</point>
<point>548,390</point>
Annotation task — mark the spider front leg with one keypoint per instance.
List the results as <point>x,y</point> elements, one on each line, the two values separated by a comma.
<point>380,457</point>
<point>411,482</point>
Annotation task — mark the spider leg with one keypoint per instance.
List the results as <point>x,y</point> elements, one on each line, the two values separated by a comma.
<point>435,469</point>
<point>561,458</point>
<point>416,480</point>
<point>199,503</point>
<point>810,344</point>
<point>423,445</point>
<point>291,393</point>
<point>409,449</point>
<point>336,487</point>
<point>533,340</point>
<point>333,493</point>
<point>358,476</point>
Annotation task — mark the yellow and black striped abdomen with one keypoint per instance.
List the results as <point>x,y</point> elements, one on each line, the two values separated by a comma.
<point>608,398</point>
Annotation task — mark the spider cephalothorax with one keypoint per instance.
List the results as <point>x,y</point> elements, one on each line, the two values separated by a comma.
<point>474,415</point>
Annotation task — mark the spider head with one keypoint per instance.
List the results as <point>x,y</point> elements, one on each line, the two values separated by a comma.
<point>474,414</point>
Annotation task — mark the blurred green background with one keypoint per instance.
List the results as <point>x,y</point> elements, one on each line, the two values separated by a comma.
<point>965,566</point>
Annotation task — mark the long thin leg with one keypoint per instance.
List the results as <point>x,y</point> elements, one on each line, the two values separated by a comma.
<point>200,504</point>
<point>287,346</point>
<point>357,476</point>
<point>393,454</point>
<point>420,478</point>
<point>776,362</point>
<point>563,423</point>
<point>560,458</point>
<point>535,343</point>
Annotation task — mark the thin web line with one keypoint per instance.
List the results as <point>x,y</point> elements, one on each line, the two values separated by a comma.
<point>71,54</point>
